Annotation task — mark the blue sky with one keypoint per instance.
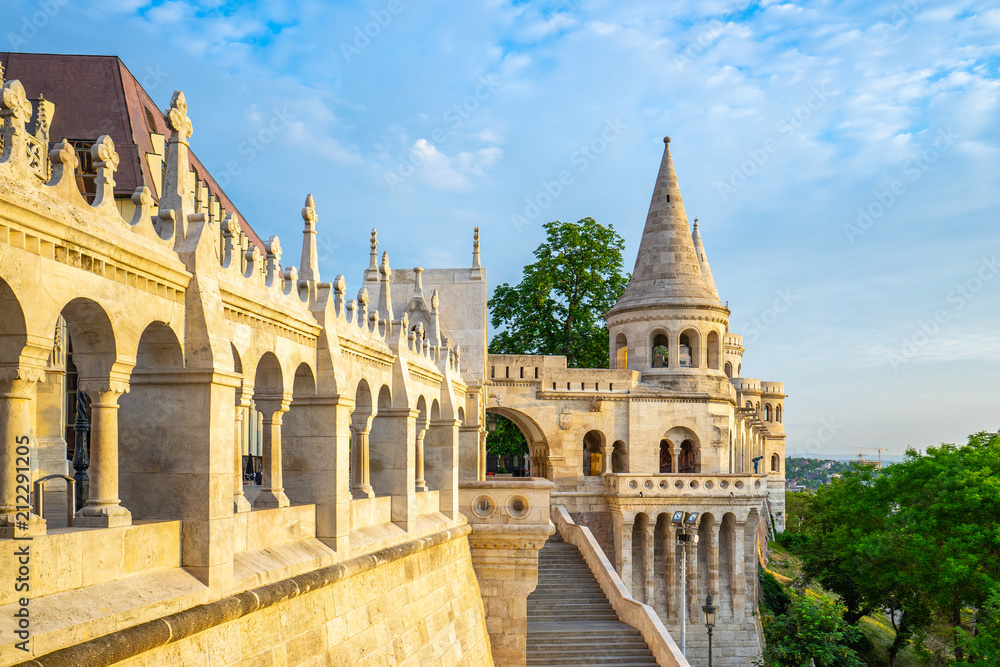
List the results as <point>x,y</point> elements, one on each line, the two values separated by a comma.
<point>842,159</point>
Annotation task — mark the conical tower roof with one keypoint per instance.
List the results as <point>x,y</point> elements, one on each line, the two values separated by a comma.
<point>706,270</point>
<point>667,270</point>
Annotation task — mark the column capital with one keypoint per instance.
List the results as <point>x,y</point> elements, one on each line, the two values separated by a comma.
<point>272,404</point>
<point>20,373</point>
<point>104,391</point>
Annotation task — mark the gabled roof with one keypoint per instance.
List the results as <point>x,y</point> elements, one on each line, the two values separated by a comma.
<point>97,95</point>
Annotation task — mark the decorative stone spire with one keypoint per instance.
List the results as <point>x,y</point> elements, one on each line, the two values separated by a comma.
<point>666,266</point>
<point>475,249</point>
<point>384,296</point>
<point>418,282</point>
<point>699,249</point>
<point>177,200</point>
<point>309,264</point>
<point>435,332</point>
<point>371,274</point>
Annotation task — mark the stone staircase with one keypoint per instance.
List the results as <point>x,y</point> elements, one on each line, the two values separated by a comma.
<point>571,622</point>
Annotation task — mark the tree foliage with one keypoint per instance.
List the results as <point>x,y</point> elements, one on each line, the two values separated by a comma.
<point>559,305</point>
<point>507,440</point>
<point>812,628</point>
<point>919,539</point>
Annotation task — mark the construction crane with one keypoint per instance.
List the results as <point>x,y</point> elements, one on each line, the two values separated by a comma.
<point>875,449</point>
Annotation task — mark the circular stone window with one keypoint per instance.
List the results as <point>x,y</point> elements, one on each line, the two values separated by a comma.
<point>756,485</point>
<point>694,484</point>
<point>518,506</point>
<point>738,484</point>
<point>663,484</point>
<point>709,484</point>
<point>632,484</point>
<point>723,484</point>
<point>648,484</point>
<point>484,506</point>
<point>678,485</point>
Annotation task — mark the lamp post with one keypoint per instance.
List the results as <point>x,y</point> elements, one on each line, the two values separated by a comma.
<point>491,423</point>
<point>709,610</point>
<point>684,520</point>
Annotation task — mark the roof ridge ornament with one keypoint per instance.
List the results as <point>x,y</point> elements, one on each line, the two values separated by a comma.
<point>177,118</point>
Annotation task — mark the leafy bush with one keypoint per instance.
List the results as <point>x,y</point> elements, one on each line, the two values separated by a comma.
<point>776,599</point>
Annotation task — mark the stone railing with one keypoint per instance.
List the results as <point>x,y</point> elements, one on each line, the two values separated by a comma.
<point>687,485</point>
<point>640,616</point>
<point>515,501</point>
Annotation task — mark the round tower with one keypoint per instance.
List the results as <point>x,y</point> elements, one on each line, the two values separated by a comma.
<point>669,324</point>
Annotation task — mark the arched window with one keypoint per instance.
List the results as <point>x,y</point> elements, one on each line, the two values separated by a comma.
<point>713,350</point>
<point>689,349</point>
<point>666,458</point>
<point>767,412</point>
<point>758,407</point>
<point>686,459</point>
<point>618,462</point>
<point>775,463</point>
<point>777,414</point>
<point>621,351</point>
<point>729,370</point>
<point>659,354</point>
<point>749,405</point>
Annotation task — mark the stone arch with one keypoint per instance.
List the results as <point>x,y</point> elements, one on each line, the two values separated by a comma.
<point>436,411</point>
<point>767,412</point>
<point>619,457</point>
<point>666,457</point>
<point>461,414</point>
<point>159,433</point>
<point>593,452</point>
<point>13,327</point>
<point>383,442</point>
<point>663,584</point>
<point>272,401</point>
<point>659,338</point>
<point>712,350</point>
<point>729,370</point>
<point>538,449</point>
<point>685,448</point>
<point>775,463</point>
<point>92,342</point>
<point>621,351</point>
<point>690,357</point>
<point>421,427</point>
<point>777,413</point>
<point>361,421</point>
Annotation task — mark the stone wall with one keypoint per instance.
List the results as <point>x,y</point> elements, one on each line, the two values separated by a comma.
<point>414,604</point>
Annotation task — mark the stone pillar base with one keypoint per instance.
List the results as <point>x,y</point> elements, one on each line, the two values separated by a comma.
<point>103,516</point>
<point>9,528</point>
<point>241,504</point>
<point>270,498</point>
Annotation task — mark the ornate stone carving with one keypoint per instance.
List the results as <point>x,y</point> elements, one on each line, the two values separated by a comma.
<point>176,117</point>
<point>309,214</point>
<point>106,163</point>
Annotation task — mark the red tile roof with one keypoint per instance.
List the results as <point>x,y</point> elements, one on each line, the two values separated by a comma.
<point>96,95</point>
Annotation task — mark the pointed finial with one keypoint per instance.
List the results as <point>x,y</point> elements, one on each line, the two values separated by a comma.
<point>696,222</point>
<point>434,301</point>
<point>309,213</point>
<point>475,249</point>
<point>374,241</point>
<point>418,281</point>
<point>666,140</point>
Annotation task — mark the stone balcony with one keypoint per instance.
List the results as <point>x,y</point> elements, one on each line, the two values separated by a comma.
<point>686,486</point>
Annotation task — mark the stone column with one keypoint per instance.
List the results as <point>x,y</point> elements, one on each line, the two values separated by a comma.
<point>391,459</point>
<point>712,551</point>
<point>623,533</point>
<point>361,485</point>
<point>272,493</point>
<point>694,608</point>
<point>482,454</point>
<point>441,453</point>
<point>240,502</point>
<point>17,388</point>
<point>737,575</point>
<point>649,545</point>
<point>420,483</point>
<point>103,507</point>
<point>469,453</point>
<point>670,565</point>
<point>606,460</point>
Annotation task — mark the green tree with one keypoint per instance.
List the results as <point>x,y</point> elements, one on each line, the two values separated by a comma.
<point>813,628</point>
<point>507,440</point>
<point>559,305</point>
<point>983,647</point>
